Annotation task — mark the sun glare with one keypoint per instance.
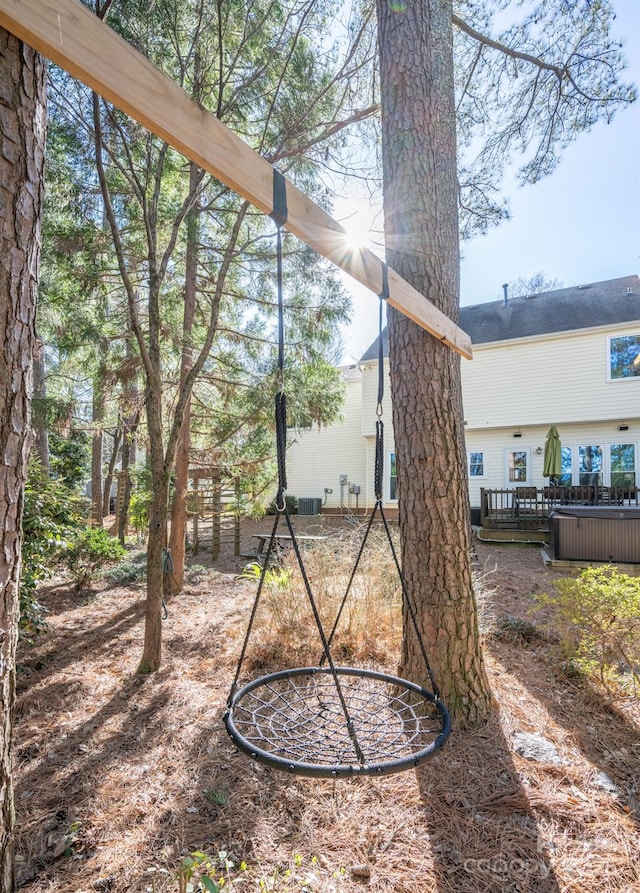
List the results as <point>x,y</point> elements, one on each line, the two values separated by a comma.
<point>356,238</point>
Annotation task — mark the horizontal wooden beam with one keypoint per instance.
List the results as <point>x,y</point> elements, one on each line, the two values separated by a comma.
<point>74,38</point>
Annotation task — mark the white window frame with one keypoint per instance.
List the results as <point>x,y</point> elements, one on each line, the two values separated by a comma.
<point>485,473</point>
<point>390,457</point>
<point>507,453</point>
<point>636,457</point>
<point>604,471</point>
<point>610,338</point>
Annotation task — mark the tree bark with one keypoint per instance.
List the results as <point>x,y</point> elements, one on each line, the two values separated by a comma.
<point>111,470</point>
<point>152,648</point>
<point>179,503</point>
<point>96,459</point>
<point>422,243</point>
<point>22,138</point>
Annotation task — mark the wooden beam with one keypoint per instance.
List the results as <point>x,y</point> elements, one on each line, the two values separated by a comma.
<point>74,38</point>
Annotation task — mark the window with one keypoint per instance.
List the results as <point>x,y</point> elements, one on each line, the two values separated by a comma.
<point>517,462</point>
<point>622,458</point>
<point>565,479</point>
<point>477,464</point>
<point>624,356</point>
<point>590,465</point>
<point>393,477</point>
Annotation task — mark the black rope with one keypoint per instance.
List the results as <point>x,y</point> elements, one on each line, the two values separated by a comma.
<point>383,296</point>
<point>279,215</point>
<point>412,610</point>
<point>254,610</point>
<point>378,489</point>
<point>378,481</point>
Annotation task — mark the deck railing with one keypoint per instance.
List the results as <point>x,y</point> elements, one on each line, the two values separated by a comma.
<point>528,508</point>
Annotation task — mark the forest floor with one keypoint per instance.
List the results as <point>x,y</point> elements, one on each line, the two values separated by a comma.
<point>120,777</point>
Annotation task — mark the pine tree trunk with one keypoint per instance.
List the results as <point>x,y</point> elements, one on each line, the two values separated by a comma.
<point>421,231</point>
<point>111,470</point>
<point>22,137</point>
<point>152,649</point>
<point>179,504</point>
<point>97,442</point>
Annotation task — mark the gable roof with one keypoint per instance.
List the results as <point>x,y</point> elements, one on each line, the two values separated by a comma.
<point>563,310</point>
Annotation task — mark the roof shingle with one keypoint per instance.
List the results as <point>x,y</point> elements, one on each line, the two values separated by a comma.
<point>563,310</point>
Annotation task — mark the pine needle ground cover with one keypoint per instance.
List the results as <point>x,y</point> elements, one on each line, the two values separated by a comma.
<point>128,783</point>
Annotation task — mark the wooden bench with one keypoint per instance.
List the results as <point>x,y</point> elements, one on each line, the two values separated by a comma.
<point>281,540</point>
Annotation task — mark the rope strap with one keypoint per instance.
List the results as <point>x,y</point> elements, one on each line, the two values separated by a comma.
<point>279,213</point>
<point>378,475</point>
<point>279,216</point>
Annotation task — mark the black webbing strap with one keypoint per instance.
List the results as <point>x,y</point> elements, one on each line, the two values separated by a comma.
<point>279,213</point>
<point>378,480</point>
<point>279,216</point>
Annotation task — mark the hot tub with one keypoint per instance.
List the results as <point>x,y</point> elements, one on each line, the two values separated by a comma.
<point>595,533</point>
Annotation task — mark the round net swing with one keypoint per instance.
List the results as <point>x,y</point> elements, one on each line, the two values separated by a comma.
<point>329,721</point>
<point>294,720</point>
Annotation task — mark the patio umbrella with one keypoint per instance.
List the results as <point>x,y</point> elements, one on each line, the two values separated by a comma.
<point>552,454</point>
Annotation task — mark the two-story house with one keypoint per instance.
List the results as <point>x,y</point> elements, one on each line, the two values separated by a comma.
<point>568,358</point>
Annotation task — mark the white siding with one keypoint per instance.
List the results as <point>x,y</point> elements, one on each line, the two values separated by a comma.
<point>318,457</point>
<point>519,387</point>
<point>544,381</point>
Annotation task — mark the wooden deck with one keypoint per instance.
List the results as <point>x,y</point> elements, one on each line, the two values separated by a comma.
<point>528,508</point>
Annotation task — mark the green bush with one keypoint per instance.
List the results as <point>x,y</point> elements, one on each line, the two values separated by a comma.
<point>598,616</point>
<point>89,552</point>
<point>70,457</point>
<point>52,512</point>
<point>132,570</point>
<point>141,498</point>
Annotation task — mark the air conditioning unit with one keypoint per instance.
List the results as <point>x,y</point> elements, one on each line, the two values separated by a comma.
<point>309,505</point>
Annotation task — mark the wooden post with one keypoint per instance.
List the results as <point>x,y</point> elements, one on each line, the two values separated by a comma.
<point>196,514</point>
<point>72,36</point>
<point>216,513</point>
<point>236,520</point>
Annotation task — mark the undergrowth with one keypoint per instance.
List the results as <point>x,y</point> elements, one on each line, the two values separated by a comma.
<point>369,627</point>
<point>597,616</point>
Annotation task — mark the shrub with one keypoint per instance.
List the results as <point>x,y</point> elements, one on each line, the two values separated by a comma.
<point>89,552</point>
<point>51,514</point>
<point>598,615</point>
<point>70,457</point>
<point>132,570</point>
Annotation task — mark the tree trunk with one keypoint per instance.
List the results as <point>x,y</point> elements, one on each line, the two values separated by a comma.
<point>129,429</point>
<point>152,649</point>
<point>22,137</point>
<point>179,505</point>
<point>108,478</point>
<point>422,242</point>
<point>128,460</point>
<point>96,453</point>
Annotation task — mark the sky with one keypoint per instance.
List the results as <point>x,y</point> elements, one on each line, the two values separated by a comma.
<point>580,224</point>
